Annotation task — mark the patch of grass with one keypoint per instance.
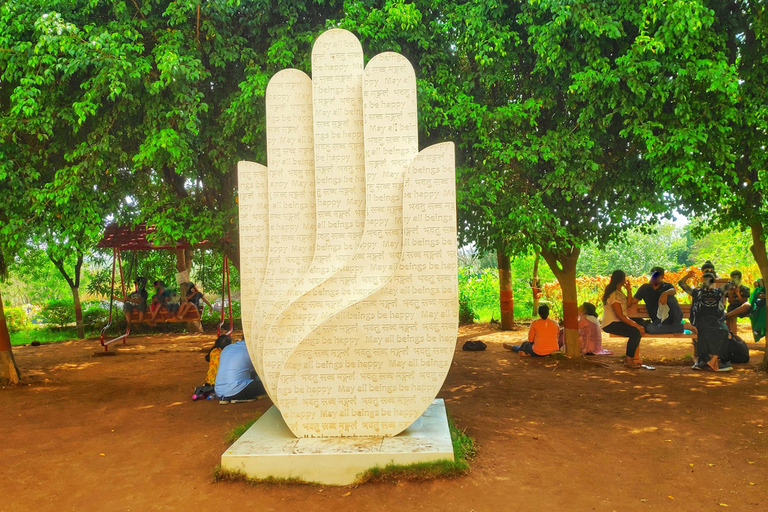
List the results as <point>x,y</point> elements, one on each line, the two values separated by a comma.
<point>464,452</point>
<point>234,434</point>
<point>44,336</point>
<point>763,366</point>
<point>221,474</point>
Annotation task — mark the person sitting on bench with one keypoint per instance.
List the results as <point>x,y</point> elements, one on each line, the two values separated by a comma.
<point>236,379</point>
<point>542,336</point>
<point>708,316</point>
<point>738,294</point>
<point>615,319</point>
<point>136,301</point>
<point>194,296</point>
<point>663,309</point>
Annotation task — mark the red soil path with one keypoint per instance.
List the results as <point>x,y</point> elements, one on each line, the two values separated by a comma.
<point>93,432</point>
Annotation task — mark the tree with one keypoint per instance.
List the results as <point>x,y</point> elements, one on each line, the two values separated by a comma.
<point>545,165</point>
<point>166,95</point>
<point>9,372</point>
<point>705,125</point>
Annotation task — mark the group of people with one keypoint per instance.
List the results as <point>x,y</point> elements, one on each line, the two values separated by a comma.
<point>164,297</point>
<point>713,303</point>
<point>716,347</point>
<point>231,376</point>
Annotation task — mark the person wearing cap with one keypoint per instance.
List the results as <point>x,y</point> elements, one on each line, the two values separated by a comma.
<point>193,298</point>
<point>708,315</point>
<point>708,268</point>
<point>663,309</point>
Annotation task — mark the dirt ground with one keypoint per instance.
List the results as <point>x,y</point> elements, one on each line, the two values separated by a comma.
<point>93,432</point>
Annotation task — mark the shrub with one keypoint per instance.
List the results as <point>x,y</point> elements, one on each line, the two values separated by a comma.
<point>17,319</point>
<point>467,315</point>
<point>58,312</point>
<point>94,317</point>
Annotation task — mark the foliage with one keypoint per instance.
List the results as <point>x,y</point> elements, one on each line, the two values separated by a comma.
<point>467,315</point>
<point>95,317</point>
<point>727,249</point>
<point>16,319</point>
<point>58,312</point>
<point>669,247</point>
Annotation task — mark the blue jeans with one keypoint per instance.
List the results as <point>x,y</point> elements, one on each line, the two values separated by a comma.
<point>672,324</point>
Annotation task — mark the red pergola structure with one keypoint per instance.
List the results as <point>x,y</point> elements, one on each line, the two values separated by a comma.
<point>124,238</point>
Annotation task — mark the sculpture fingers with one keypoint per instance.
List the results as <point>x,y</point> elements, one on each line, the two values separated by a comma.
<point>291,197</point>
<point>253,223</point>
<point>388,81</point>
<point>376,366</point>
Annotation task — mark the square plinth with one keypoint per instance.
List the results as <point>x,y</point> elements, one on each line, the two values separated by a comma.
<point>269,449</point>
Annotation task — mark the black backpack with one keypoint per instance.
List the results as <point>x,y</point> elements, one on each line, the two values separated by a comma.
<point>474,346</point>
<point>738,350</point>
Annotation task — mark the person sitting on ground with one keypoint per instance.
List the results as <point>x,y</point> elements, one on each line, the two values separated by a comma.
<point>661,303</point>
<point>194,296</point>
<point>136,301</point>
<point>615,319</point>
<point>236,380</point>
<point>590,334</point>
<point>708,315</point>
<point>542,336</point>
<point>757,315</point>
<point>213,356</point>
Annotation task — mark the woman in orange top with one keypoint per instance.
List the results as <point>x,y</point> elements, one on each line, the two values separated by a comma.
<point>542,336</point>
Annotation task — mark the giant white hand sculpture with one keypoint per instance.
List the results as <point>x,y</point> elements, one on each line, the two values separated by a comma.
<point>348,241</point>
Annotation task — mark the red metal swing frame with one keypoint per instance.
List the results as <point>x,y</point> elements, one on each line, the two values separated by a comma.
<point>121,238</point>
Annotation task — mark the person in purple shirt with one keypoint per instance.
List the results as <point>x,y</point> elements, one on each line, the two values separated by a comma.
<point>236,380</point>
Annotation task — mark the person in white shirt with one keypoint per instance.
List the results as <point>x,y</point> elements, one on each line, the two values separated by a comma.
<point>615,319</point>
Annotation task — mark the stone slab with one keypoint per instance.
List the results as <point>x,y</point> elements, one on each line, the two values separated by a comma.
<point>269,449</point>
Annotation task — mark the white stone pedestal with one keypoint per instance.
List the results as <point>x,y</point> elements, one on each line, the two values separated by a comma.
<point>269,449</point>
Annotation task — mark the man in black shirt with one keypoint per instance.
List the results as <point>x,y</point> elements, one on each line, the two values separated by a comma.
<point>657,293</point>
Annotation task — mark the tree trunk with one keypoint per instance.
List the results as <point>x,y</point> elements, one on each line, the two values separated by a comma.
<point>535,286</point>
<point>78,313</point>
<point>74,285</point>
<point>184,259</point>
<point>563,265</point>
<point>505,290</point>
<point>9,372</point>
<point>761,257</point>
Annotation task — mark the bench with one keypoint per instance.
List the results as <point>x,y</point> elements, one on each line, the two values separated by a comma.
<point>164,316</point>
<point>641,311</point>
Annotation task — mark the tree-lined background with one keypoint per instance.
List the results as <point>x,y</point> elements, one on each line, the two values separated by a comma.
<point>580,127</point>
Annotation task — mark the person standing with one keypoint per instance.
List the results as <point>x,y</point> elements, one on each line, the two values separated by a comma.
<point>708,315</point>
<point>615,319</point>
<point>757,315</point>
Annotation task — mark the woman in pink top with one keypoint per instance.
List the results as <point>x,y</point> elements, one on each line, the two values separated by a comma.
<point>542,336</point>
<point>590,333</point>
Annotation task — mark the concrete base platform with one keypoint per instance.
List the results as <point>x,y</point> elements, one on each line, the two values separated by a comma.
<point>269,449</point>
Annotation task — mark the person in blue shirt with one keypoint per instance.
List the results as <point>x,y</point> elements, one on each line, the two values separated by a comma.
<point>236,380</point>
